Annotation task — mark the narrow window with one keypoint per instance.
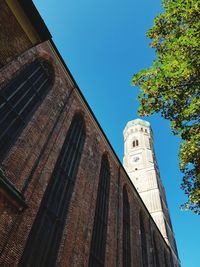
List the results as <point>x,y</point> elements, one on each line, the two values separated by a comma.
<point>165,259</point>
<point>45,236</point>
<point>143,242</point>
<point>135,143</point>
<point>155,250</point>
<point>19,100</point>
<point>167,231</point>
<point>171,259</point>
<point>126,230</point>
<point>150,144</point>
<point>98,243</point>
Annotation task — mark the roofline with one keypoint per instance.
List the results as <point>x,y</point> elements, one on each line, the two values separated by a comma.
<point>35,19</point>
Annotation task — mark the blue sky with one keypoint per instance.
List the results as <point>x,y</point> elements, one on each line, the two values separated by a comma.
<point>103,43</point>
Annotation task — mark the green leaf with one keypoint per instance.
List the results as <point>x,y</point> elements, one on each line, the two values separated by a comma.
<point>171,86</point>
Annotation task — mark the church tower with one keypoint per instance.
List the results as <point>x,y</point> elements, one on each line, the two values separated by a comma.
<point>142,168</point>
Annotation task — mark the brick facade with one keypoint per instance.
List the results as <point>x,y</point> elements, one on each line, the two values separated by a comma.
<point>13,39</point>
<point>30,163</point>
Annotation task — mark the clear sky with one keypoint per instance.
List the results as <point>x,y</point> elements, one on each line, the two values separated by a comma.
<point>103,43</point>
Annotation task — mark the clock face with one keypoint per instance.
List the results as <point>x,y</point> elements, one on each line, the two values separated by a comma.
<point>135,159</point>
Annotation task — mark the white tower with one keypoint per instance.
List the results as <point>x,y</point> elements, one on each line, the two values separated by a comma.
<point>141,166</point>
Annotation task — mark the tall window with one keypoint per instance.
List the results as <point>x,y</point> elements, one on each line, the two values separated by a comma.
<point>155,250</point>
<point>135,143</point>
<point>98,243</point>
<point>143,242</point>
<point>171,259</point>
<point>45,236</point>
<point>19,99</point>
<point>165,259</point>
<point>150,144</point>
<point>126,230</point>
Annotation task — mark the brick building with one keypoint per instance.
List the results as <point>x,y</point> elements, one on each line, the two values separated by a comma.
<point>65,198</point>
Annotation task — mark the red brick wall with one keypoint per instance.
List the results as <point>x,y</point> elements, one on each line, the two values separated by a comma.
<point>32,159</point>
<point>13,39</point>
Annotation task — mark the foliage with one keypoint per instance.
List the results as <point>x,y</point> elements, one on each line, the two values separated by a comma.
<point>171,85</point>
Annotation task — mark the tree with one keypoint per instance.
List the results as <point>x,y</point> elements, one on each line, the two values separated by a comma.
<point>171,86</point>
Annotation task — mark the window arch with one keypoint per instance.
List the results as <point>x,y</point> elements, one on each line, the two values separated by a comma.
<point>126,230</point>
<point>45,236</point>
<point>143,242</point>
<point>98,243</point>
<point>20,98</point>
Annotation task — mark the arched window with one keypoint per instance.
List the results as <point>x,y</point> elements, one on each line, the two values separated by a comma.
<point>155,251</point>
<point>126,230</point>
<point>135,143</point>
<point>98,243</point>
<point>143,242</point>
<point>45,236</point>
<point>19,99</point>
